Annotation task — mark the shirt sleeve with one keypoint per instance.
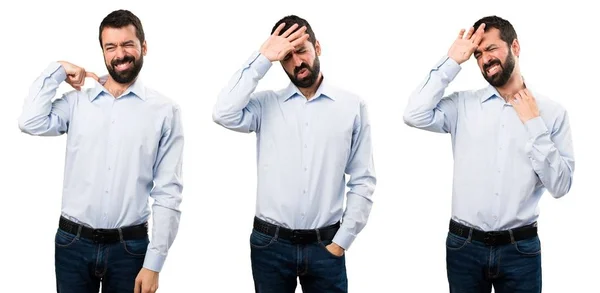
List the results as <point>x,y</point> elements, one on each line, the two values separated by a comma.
<point>362,182</point>
<point>237,108</point>
<point>168,186</point>
<point>40,115</point>
<point>427,108</point>
<point>551,153</point>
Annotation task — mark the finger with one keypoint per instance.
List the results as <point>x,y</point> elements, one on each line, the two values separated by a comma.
<point>469,33</point>
<point>461,34</point>
<point>289,30</point>
<point>528,93</point>
<point>138,287</point>
<point>524,95</point>
<point>296,34</point>
<point>278,29</point>
<point>92,75</point>
<point>476,39</point>
<point>300,40</point>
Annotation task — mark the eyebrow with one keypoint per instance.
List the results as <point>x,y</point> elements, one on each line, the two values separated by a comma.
<point>486,49</point>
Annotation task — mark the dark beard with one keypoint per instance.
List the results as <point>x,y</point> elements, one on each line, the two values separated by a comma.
<point>129,75</point>
<point>310,79</point>
<point>500,78</point>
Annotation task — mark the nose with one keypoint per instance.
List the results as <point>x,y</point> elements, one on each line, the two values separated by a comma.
<point>485,57</point>
<point>297,60</point>
<point>119,52</point>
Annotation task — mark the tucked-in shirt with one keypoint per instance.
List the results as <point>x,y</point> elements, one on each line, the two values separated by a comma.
<point>120,152</point>
<point>502,166</point>
<point>305,148</point>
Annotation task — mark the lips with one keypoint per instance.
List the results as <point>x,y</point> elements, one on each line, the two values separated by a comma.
<point>493,69</point>
<point>124,66</point>
<point>302,73</point>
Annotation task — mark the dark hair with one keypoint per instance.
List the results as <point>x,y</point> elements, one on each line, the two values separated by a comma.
<point>122,18</point>
<point>293,19</point>
<point>507,32</point>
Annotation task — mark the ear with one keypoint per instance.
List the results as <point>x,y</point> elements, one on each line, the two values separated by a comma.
<point>144,48</point>
<point>317,48</point>
<point>515,47</point>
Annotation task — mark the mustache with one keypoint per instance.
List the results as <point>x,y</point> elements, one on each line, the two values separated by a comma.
<point>491,63</point>
<point>302,66</point>
<point>125,59</point>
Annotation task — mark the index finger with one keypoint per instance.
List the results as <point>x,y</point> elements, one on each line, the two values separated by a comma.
<point>278,29</point>
<point>92,75</point>
<point>478,34</point>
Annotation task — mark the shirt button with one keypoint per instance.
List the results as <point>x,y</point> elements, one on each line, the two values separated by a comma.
<point>306,123</point>
<point>502,125</point>
<point>305,146</point>
<point>113,122</point>
<point>497,194</point>
<point>498,170</point>
<point>304,191</point>
<point>106,191</point>
<point>108,168</point>
<point>495,218</point>
<point>305,169</point>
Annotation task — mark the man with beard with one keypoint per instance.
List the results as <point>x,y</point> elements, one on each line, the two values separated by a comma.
<point>510,145</point>
<point>124,145</point>
<point>310,135</point>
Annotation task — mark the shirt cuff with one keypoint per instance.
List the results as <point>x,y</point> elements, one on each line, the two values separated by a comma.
<point>260,63</point>
<point>154,261</point>
<point>449,67</point>
<point>535,127</point>
<point>343,239</point>
<point>56,72</point>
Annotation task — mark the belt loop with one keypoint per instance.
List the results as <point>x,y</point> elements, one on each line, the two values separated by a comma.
<point>470,234</point>
<point>79,230</point>
<point>318,235</point>
<point>512,237</point>
<point>276,232</point>
<point>120,234</point>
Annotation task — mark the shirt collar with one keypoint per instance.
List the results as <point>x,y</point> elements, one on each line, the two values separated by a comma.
<point>325,90</point>
<point>136,88</point>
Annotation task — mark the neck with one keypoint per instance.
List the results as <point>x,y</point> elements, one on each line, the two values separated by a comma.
<point>309,92</point>
<point>514,85</point>
<point>116,89</point>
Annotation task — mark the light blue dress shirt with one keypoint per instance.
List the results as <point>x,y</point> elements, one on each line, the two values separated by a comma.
<point>501,165</point>
<point>304,150</point>
<point>120,152</point>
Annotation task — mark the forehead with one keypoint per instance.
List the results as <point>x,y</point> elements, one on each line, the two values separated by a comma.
<point>306,45</point>
<point>491,36</point>
<point>119,35</point>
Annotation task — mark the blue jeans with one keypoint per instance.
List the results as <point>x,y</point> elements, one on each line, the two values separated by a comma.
<point>277,264</point>
<point>81,264</point>
<point>473,267</point>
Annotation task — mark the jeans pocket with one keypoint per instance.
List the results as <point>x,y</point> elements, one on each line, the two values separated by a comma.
<point>324,244</point>
<point>136,248</point>
<point>64,239</point>
<point>530,246</point>
<point>260,240</point>
<point>455,242</point>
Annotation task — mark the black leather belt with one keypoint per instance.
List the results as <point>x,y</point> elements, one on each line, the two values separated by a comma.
<point>104,235</point>
<point>298,236</point>
<point>492,238</point>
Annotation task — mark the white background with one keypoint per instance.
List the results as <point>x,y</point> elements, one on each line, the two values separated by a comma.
<point>374,48</point>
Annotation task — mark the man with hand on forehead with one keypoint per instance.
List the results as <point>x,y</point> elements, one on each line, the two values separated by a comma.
<point>510,145</point>
<point>124,145</point>
<point>310,135</point>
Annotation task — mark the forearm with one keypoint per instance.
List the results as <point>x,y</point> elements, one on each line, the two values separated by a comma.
<point>425,109</point>
<point>553,166</point>
<point>232,108</point>
<point>40,116</point>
